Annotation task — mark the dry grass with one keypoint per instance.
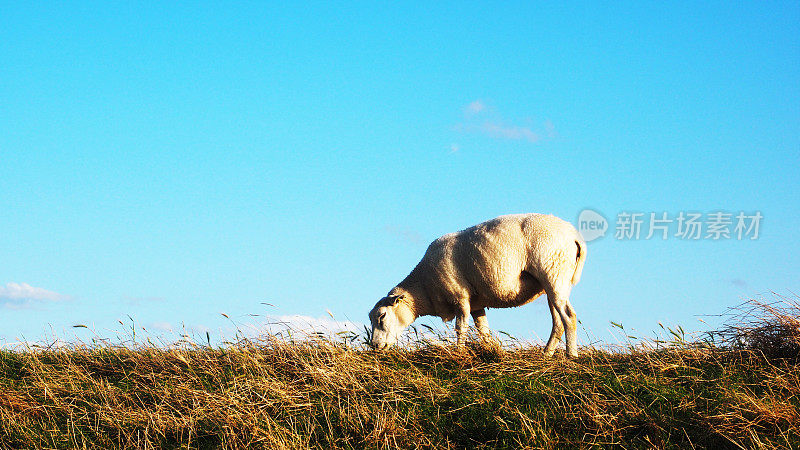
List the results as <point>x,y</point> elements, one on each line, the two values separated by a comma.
<point>770,328</point>
<point>277,394</point>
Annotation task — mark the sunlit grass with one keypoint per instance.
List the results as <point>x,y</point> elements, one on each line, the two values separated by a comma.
<point>276,392</point>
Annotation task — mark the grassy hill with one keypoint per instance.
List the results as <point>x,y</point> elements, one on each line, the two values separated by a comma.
<point>743,392</point>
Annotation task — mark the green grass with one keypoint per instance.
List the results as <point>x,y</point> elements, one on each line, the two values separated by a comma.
<point>279,394</point>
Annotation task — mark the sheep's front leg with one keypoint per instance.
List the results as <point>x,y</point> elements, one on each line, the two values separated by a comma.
<point>462,322</point>
<point>479,316</point>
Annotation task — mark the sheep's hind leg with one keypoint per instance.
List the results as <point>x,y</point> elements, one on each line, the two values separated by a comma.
<point>558,297</point>
<point>572,331</point>
<point>556,332</point>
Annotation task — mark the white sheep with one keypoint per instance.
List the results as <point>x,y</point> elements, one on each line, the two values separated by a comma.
<point>504,262</point>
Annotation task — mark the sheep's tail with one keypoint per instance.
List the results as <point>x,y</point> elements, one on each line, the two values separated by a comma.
<point>580,258</point>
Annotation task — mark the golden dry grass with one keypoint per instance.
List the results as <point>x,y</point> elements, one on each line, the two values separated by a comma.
<point>274,393</point>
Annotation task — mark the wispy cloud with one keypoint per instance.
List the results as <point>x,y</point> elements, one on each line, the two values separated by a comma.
<point>499,130</point>
<point>475,108</point>
<point>160,326</point>
<point>483,119</point>
<point>23,295</point>
<point>405,234</point>
<point>27,346</point>
<point>740,283</point>
<point>307,325</point>
<point>198,328</point>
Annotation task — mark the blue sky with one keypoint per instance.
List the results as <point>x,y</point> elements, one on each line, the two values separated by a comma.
<point>170,162</point>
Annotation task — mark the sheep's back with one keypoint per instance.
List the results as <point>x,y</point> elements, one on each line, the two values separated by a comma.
<point>485,260</point>
<point>489,262</point>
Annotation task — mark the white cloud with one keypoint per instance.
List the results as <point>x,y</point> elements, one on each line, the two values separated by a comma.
<point>23,295</point>
<point>405,234</point>
<point>197,328</point>
<point>482,119</point>
<point>161,326</point>
<point>740,283</point>
<point>27,346</point>
<point>474,108</point>
<point>307,325</point>
<point>499,130</point>
<point>24,291</point>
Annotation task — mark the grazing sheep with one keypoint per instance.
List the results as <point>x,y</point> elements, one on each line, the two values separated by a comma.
<point>504,262</point>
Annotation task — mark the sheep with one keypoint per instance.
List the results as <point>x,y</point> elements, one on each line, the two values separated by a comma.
<point>505,262</point>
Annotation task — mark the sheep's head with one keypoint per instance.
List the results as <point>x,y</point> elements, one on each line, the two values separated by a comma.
<point>389,318</point>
